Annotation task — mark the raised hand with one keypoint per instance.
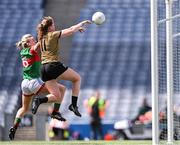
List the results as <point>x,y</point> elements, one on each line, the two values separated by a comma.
<point>86,22</point>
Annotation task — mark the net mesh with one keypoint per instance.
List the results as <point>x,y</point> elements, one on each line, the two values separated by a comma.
<point>163,68</point>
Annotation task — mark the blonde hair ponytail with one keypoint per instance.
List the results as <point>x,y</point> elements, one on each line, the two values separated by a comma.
<point>23,42</point>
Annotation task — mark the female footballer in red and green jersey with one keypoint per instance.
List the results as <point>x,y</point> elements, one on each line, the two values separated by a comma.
<point>52,69</point>
<point>32,84</point>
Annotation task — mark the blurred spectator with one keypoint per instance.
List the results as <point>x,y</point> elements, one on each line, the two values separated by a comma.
<point>96,108</point>
<point>144,115</point>
<point>75,136</point>
<point>163,122</point>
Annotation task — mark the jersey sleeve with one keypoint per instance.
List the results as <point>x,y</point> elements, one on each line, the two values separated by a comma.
<point>56,34</point>
<point>32,51</point>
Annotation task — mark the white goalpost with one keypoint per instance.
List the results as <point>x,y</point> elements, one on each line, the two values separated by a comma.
<point>169,62</point>
<point>154,72</point>
<point>169,36</point>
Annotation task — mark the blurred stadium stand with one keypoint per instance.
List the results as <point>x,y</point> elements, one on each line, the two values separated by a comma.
<point>113,58</point>
<point>18,17</point>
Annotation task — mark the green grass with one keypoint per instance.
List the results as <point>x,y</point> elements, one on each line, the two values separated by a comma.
<point>132,142</point>
<point>76,143</point>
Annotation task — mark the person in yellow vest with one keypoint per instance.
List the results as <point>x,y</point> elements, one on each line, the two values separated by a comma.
<point>58,130</point>
<point>96,108</point>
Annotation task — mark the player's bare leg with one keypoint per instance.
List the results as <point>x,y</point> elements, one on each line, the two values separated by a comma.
<point>26,100</point>
<point>56,95</point>
<point>75,78</point>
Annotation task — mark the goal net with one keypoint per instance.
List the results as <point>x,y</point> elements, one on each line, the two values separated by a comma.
<point>169,83</point>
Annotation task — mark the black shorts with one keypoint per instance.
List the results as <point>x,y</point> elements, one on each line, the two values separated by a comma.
<point>52,70</point>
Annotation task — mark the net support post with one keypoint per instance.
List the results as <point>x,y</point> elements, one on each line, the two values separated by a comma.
<point>169,57</point>
<point>154,72</point>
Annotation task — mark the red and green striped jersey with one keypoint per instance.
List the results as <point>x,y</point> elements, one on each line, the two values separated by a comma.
<point>31,63</point>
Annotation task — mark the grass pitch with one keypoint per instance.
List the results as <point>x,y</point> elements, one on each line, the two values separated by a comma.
<point>132,142</point>
<point>76,143</point>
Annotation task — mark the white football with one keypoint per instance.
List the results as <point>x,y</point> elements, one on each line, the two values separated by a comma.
<point>98,18</point>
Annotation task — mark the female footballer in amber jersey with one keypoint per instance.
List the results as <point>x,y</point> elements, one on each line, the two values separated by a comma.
<point>52,69</point>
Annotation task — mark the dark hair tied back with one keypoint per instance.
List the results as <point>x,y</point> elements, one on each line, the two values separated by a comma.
<point>43,27</point>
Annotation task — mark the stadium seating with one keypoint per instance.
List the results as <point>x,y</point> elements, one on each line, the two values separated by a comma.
<point>115,57</point>
<point>16,20</point>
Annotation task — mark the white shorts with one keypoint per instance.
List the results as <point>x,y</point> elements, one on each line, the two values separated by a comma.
<point>31,87</point>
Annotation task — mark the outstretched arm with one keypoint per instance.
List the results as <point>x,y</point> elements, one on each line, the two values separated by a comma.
<point>37,47</point>
<point>78,27</point>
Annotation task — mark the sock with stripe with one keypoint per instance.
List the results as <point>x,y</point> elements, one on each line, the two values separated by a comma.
<point>17,122</point>
<point>56,107</point>
<point>43,100</point>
